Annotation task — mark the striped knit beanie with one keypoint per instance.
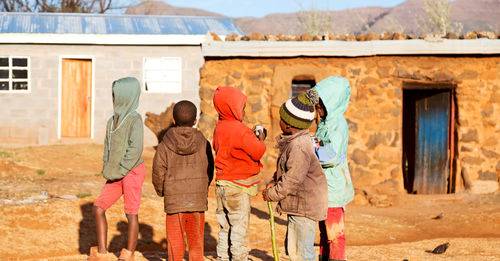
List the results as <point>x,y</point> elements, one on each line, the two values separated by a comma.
<point>298,111</point>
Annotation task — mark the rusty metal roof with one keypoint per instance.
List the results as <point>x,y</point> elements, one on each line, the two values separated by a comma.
<point>70,23</point>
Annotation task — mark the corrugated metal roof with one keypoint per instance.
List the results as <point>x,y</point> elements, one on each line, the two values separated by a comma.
<point>69,23</point>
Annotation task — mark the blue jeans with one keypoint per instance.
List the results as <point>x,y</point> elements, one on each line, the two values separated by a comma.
<point>300,235</point>
<point>233,215</point>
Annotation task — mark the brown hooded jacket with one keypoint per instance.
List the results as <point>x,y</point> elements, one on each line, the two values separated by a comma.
<point>183,169</point>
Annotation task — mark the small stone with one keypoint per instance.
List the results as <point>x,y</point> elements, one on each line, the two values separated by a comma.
<point>360,157</point>
<point>375,91</point>
<point>486,113</point>
<point>342,37</point>
<point>245,38</point>
<point>316,38</point>
<point>451,35</point>
<point>398,36</point>
<point>353,126</point>
<point>488,175</point>
<point>402,73</point>
<point>351,38</point>
<point>215,37</point>
<point>490,154</point>
<point>331,37</point>
<point>411,36</point>
<point>256,37</point>
<point>471,35</point>
<point>232,37</point>
<point>383,72</point>
<point>293,37</point>
<point>468,74</point>
<point>306,37</point>
<point>236,75</point>
<point>487,35</point>
<point>387,35</point>
<point>270,37</point>
<point>282,37</point>
<point>375,140</point>
<point>470,136</point>
<point>360,198</point>
<point>442,77</point>
<point>370,81</point>
<point>256,107</point>
<point>417,75</point>
<point>473,160</point>
<point>355,71</point>
<point>465,149</point>
<point>372,37</point>
<point>361,37</point>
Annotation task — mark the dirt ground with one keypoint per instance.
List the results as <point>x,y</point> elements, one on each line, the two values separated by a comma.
<point>46,196</point>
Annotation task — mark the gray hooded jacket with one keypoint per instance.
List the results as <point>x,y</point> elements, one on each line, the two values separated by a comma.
<point>123,143</point>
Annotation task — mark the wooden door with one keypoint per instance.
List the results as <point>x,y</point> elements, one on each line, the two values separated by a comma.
<point>431,133</point>
<point>76,97</point>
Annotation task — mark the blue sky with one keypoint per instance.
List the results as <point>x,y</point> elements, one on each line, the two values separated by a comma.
<point>260,8</point>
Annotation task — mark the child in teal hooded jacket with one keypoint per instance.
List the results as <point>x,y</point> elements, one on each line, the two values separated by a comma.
<point>333,135</point>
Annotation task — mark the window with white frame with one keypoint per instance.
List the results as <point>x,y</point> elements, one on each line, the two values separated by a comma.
<point>163,74</point>
<point>14,74</point>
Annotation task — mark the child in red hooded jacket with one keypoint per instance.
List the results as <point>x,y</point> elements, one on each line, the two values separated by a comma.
<point>237,162</point>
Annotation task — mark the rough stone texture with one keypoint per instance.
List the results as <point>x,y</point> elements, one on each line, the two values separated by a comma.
<point>359,157</point>
<point>375,109</point>
<point>470,136</point>
<point>487,175</point>
<point>484,187</point>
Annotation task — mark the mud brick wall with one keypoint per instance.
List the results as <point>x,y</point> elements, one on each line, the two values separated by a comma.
<point>375,111</point>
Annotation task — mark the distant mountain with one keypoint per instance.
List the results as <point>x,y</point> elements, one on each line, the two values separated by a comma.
<point>472,14</point>
<point>152,7</point>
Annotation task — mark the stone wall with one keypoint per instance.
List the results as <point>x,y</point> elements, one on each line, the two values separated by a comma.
<point>375,110</point>
<point>32,118</point>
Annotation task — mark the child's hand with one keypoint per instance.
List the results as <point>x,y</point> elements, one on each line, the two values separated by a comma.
<point>260,132</point>
<point>265,196</point>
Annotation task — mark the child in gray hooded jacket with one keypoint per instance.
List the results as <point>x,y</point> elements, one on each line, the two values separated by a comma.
<point>123,167</point>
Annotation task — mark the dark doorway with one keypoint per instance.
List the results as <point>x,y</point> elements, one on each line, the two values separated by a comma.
<point>300,84</point>
<point>428,120</point>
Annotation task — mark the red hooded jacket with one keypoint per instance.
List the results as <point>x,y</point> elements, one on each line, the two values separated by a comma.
<point>237,149</point>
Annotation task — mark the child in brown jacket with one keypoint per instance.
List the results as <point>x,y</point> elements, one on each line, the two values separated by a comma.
<point>299,183</point>
<point>182,171</point>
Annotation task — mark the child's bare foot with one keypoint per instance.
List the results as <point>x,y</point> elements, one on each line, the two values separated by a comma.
<point>126,255</point>
<point>96,256</point>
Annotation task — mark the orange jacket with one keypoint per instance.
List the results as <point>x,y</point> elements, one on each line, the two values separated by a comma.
<point>237,149</point>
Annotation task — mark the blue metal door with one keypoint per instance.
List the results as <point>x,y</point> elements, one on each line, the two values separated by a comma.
<point>432,115</point>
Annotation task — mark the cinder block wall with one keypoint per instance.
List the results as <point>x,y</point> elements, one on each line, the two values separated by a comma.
<point>375,110</point>
<point>32,118</point>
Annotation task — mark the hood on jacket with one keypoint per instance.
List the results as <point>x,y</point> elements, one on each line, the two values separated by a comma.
<point>126,92</point>
<point>183,140</point>
<point>334,92</point>
<point>229,103</point>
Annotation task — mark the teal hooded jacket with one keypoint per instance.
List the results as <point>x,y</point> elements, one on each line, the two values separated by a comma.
<point>123,142</point>
<point>333,135</point>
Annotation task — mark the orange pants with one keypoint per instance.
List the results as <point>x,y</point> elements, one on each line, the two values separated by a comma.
<point>191,223</point>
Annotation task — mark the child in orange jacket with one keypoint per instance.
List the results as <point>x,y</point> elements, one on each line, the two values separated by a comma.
<point>237,162</point>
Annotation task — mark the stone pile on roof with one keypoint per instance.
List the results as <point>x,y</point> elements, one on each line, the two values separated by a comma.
<point>387,35</point>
